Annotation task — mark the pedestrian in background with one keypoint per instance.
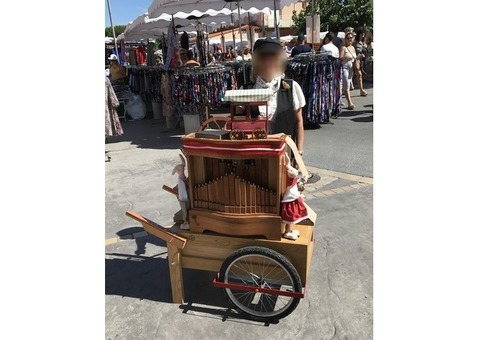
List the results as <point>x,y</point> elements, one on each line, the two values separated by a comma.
<point>116,72</point>
<point>187,58</point>
<point>210,59</point>
<point>328,45</point>
<point>289,47</point>
<point>337,41</point>
<point>348,57</point>
<point>358,65</point>
<point>246,53</point>
<point>301,47</point>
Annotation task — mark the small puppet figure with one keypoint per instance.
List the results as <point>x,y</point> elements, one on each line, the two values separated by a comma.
<point>182,191</point>
<point>292,208</point>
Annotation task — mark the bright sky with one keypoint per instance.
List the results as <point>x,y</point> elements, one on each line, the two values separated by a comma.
<point>124,11</point>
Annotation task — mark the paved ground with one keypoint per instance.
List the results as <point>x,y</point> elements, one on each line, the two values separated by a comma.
<point>338,304</point>
<point>346,146</point>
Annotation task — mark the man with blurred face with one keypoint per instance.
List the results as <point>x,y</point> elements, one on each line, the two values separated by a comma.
<point>286,103</point>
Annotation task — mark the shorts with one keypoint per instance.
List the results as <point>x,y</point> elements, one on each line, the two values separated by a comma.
<point>346,77</point>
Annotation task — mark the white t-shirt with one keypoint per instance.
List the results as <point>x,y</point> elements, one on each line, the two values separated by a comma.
<point>330,48</point>
<point>298,97</point>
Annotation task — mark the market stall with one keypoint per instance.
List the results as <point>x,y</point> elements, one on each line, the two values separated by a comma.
<point>192,91</point>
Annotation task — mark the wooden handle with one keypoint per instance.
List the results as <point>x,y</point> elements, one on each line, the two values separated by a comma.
<point>157,230</point>
<point>170,190</point>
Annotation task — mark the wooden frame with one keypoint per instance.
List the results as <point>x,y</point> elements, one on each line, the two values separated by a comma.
<point>235,185</point>
<point>187,249</point>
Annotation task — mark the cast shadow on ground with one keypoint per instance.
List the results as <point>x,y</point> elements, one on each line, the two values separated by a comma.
<point>147,277</point>
<point>367,119</point>
<point>347,113</point>
<point>149,134</point>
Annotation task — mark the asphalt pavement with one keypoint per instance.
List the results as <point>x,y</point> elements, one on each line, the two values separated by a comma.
<point>339,296</point>
<point>347,145</point>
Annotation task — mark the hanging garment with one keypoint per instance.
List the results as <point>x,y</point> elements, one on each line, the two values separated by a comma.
<point>141,55</point>
<point>150,55</point>
<point>320,79</point>
<point>132,59</point>
<point>113,127</point>
<point>172,48</point>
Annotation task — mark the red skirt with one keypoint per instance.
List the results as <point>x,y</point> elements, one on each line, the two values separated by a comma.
<point>293,212</point>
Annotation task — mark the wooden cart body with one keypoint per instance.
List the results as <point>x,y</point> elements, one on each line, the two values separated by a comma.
<point>207,251</point>
<point>235,188</point>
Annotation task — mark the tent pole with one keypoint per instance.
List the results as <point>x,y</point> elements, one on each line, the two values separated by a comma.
<point>241,42</point>
<point>113,28</point>
<point>277,33</point>
<point>249,35</point>
<point>233,29</point>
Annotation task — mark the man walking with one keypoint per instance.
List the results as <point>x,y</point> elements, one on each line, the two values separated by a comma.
<point>301,47</point>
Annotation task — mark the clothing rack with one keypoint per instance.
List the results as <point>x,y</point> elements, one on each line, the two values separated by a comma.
<point>319,76</point>
<point>192,90</point>
<point>196,89</point>
<point>317,56</point>
<point>238,67</point>
<point>200,70</point>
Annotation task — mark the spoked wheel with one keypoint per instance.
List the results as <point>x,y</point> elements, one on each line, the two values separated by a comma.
<point>215,123</point>
<point>264,268</point>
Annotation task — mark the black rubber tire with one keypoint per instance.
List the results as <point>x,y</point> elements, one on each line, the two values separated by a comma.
<point>254,250</point>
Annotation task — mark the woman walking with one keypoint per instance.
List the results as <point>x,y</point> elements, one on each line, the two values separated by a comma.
<point>348,57</point>
<point>361,51</point>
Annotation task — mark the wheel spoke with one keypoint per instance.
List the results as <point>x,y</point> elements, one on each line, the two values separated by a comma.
<point>258,270</point>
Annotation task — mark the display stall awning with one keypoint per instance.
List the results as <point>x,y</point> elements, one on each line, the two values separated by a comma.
<point>159,7</point>
<point>144,26</point>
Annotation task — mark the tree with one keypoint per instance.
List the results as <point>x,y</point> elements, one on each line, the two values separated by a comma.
<point>341,13</point>
<point>119,29</point>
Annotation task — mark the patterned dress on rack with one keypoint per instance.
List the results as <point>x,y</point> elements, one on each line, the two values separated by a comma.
<point>113,127</point>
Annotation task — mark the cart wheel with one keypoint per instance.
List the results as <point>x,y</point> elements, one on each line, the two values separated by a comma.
<point>264,268</point>
<point>220,123</point>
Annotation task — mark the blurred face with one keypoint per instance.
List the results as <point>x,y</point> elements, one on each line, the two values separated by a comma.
<point>269,65</point>
<point>348,39</point>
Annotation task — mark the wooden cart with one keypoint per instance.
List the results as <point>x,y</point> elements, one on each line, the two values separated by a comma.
<point>263,278</point>
<point>235,226</point>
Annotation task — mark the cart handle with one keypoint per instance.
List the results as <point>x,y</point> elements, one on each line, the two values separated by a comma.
<point>157,230</point>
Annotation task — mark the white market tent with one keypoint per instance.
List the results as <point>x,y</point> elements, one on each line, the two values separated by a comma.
<point>172,7</point>
<point>144,26</point>
<point>159,7</point>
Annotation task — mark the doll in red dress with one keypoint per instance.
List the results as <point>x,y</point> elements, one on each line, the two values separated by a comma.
<point>292,209</point>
